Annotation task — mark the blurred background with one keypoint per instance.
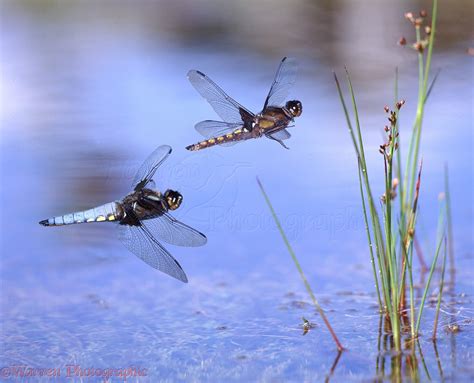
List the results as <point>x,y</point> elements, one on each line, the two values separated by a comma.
<point>90,88</point>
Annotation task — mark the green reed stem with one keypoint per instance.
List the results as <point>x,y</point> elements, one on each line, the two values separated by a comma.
<point>388,160</point>
<point>399,159</point>
<point>374,215</point>
<point>423,69</point>
<point>409,260</point>
<point>363,171</point>
<point>441,216</point>
<point>359,149</point>
<point>416,134</point>
<point>447,196</point>
<point>409,244</point>
<point>440,294</point>
<point>369,239</point>
<point>298,266</point>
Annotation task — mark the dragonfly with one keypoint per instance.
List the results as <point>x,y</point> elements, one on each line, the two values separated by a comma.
<point>143,218</point>
<point>240,124</point>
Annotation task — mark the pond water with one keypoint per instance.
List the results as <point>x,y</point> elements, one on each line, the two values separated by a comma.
<point>90,89</point>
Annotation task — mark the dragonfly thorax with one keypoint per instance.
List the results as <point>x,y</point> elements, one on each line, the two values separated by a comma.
<point>153,200</point>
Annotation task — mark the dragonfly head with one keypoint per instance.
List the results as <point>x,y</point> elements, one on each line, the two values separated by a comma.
<point>173,199</point>
<point>294,107</point>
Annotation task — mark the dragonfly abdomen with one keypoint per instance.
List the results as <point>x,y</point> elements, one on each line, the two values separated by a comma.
<point>108,212</point>
<point>236,135</point>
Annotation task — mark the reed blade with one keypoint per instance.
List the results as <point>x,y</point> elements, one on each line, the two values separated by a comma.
<point>298,266</point>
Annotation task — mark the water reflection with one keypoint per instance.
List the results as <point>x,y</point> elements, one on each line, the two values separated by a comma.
<point>334,366</point>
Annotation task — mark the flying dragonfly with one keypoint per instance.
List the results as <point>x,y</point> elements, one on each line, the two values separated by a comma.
<point>143,218</point>
<point>240,124</point>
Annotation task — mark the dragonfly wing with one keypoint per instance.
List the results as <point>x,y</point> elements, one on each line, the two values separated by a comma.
<point>140,241</point>
<point>148,168</point>
<point>225,106</point>
<point>174,232</point>
<point>281,134</point>
<point>209,128</point>
<point>284,79</point>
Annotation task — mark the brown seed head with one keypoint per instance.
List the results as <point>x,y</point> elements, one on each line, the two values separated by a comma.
<point>402,41</point>
<point>386,128</point>
<point>400,104</point>
<point>418,47</point>
<point>386,109</point>
<point>423,13</point>
<point>418,22</point>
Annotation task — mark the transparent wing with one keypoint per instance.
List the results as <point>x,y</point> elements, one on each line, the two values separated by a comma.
<point>284,79</point>
<point>174,232</point>
<point>141,242</point>
<point>149,167</point>
<point>209,128</point>
<point>225,106</point>
<point>281,134</point>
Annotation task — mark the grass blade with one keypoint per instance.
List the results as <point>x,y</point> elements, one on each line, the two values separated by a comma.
<point>433,82</point>
<point>440,294</point>
<point>433,266</point>
<point>298,266</point>
<point>447,196</point>
<point>369,239</point>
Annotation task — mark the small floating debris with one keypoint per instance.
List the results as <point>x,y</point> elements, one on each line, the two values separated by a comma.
<point>453,327</point>
<point>94,298</point>
<point>307,325</point>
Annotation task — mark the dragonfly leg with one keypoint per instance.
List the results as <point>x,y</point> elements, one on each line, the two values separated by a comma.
<point>277,140</point>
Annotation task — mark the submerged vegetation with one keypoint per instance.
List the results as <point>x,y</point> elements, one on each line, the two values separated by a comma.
<point>391,229</point>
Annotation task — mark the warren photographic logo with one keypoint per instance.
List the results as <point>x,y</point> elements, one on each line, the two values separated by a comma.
<point>221,194</point>
<point>16,372</point>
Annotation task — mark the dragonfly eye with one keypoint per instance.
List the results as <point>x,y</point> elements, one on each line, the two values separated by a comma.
<point>294,107</point>
<point>173,199</point>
